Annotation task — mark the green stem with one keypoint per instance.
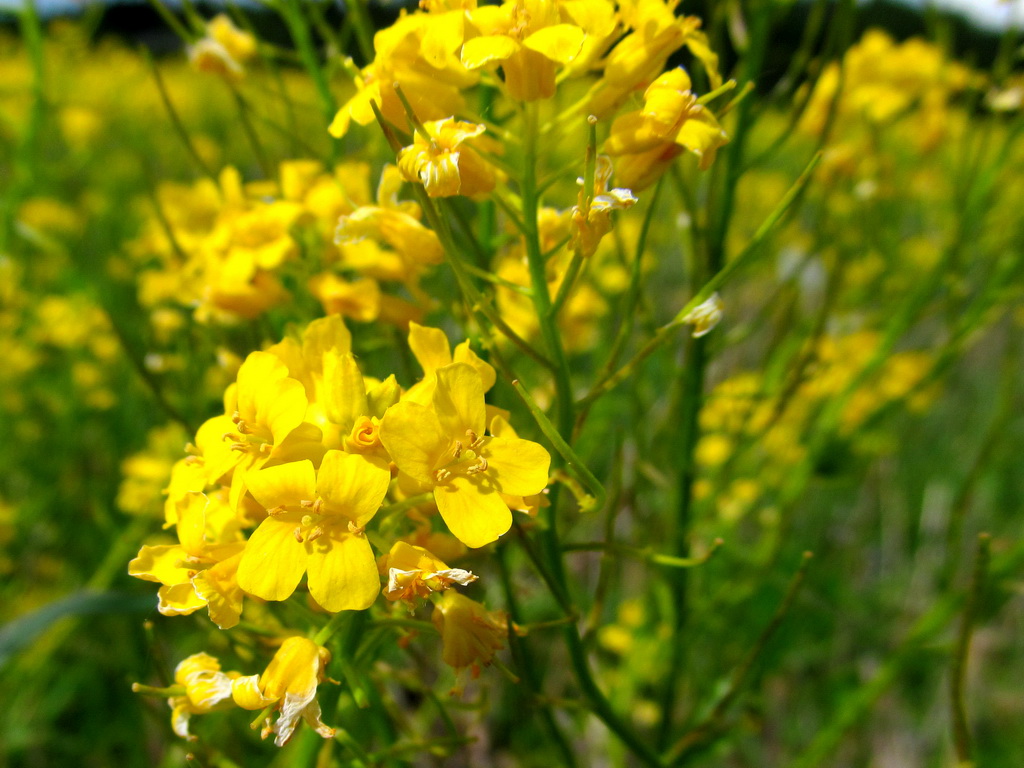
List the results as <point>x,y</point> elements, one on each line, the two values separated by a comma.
<point>176,122</point>
<point>573,462</point>
<point>331,627</point>
<point>361,757</point>
<point>250,132</point>
<point>691,402</point>
<point>549,537</point>
<point>961,730</point>
<point>363,26</point>
<point>298,28</point>
<point>528,665</point>
<point>858,703</point>
<point>27,156</point>
<point>538,275</point>
<point>714,725</point>
<point>172,21</point>
<point>666,331</point>
<point>644,554</point>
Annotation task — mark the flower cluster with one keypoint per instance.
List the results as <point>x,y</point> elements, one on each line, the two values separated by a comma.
<point>286,487</point>
<point>526,49</point>
<point>226,249</point>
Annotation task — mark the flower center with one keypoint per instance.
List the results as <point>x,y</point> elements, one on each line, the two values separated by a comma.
<point>466,458</point>
<point>251,438</point>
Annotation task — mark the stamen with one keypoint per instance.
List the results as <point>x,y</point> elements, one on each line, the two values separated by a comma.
<point>441,475</point>
<point>358,530</point>
<point>477,468</point>
<point>298,534</point>
<point>458,448</point>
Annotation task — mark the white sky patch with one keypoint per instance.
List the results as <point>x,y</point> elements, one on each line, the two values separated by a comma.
<point>987,13</point>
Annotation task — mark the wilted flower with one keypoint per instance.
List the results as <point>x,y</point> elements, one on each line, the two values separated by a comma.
<point>206,689</point>
<point>416,572</point>
<point>470,633</point>
<point>289,685</point>
<point>705,316</point>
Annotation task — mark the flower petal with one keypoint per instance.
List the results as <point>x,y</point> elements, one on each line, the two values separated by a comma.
<point>343,573</point>
<point>464,354</point>
<point>476,516</point>
<point>345,390</point>
<point>486,49</point>
<point>353,485</point>
<point>218,587</point>
<point>160,563</point>
<point>282,407</point>
<point>284,485</point>
<point>246,693</point>
<point>559,42</point>
<point>192,523</point>
<point>413,437</point>
<point>430,347</point>
<point>459,400</point>
<point>178,600</point>
<point>519,467</point>
<point>273,562</point>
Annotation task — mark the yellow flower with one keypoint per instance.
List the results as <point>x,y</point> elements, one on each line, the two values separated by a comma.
<point>592,216</point>
<point>289,685</point>
<point>316,524</point>
<point>636,60</point>
<point>444,447</point>
<point>207,689</point>
<point>443,164</point>
<point>432,86</point>
<point>671,120</point>
<point>432,351</point>
<point>358,299</point>
<point>416,572</point>
<point>224,49</point>
<point>200,570</point>
<point>527,38</point>
<point>393,224</point>
<point>266,424</point>
<point>470,634</point>
<point>305,355</point>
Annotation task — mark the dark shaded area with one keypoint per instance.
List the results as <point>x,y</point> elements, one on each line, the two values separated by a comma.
<point>139,23</point>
